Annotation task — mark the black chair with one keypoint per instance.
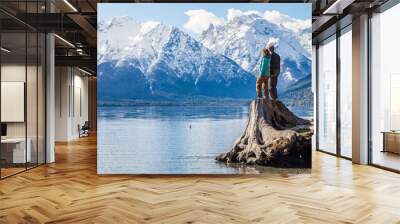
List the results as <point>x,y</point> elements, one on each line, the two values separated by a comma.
<point>84,130</point>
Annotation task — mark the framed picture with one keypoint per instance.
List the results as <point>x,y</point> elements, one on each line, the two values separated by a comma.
<point>194,88</point>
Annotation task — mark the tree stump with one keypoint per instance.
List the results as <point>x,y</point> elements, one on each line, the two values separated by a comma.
<point>274,136</point>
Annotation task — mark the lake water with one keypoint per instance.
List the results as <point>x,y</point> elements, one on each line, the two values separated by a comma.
<point>170,139</point>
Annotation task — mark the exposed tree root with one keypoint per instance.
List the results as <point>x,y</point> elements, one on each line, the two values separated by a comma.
<point>274,136</point>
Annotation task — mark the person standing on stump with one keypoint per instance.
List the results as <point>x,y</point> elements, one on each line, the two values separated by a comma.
<point>262,80</point>
<point>275,69</point>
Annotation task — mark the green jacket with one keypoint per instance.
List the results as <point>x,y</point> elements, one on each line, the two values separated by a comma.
<point>265,66</point>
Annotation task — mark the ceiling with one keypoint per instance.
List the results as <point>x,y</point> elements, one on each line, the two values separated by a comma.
<point>73,21</point>
<point>328,16</point>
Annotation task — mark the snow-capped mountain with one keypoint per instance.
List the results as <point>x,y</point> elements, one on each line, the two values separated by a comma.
<point>305,37</point>
<point>150,59</point>
<point>242,38</point>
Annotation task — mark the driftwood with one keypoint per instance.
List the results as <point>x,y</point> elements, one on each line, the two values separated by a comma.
<point>274,136</point>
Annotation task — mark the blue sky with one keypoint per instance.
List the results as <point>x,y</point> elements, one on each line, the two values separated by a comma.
<point>174,14</point>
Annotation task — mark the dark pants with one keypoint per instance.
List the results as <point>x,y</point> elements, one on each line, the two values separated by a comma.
<point>262,82</point>
<point>273,81</point>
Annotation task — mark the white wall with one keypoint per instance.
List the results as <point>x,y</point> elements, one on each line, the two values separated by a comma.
<point>61,103</point>
<point>10,73</point>
<point>80,105</point>
<point>33,126</point>
<point>71,102</point>
<point>17,73</point>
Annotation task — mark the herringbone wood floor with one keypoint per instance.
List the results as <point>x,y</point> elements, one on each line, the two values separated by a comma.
<point>70,191</point>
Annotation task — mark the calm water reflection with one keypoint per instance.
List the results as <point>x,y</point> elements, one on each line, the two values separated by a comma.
<point>169,139</point>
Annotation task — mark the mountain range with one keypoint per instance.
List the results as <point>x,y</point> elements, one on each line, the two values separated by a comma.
<point>151,60</point>
<point>243,37</point>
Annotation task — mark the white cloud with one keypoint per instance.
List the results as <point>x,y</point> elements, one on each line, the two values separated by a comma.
<point>232,13</point>
<point>200,20</point>
<point>287,21</point>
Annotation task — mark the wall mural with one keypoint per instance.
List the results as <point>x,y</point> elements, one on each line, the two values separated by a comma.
<point>204,88</point>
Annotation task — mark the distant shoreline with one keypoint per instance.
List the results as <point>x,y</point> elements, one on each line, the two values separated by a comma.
<point>184,102</point>
<point>195,102</point>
